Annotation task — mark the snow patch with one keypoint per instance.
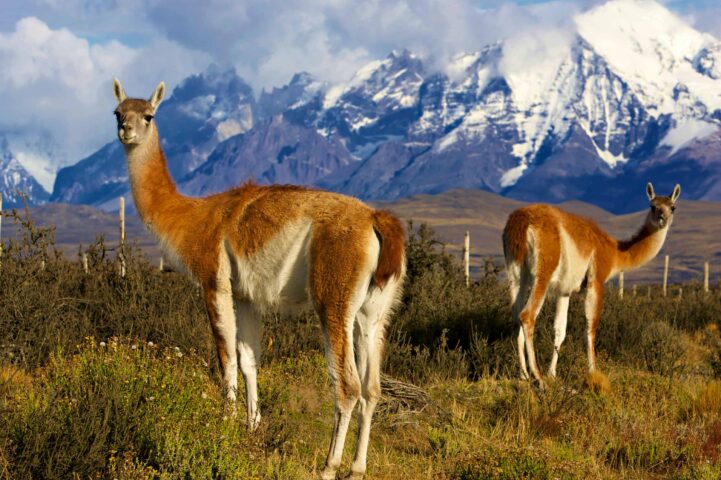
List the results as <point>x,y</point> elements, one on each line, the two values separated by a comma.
<point>362,122</point>
<point>362,75</point>
<point>511,176</point>
<point>447,141</point>
<point>458,66</point>
<point>608,157</point>
<point>603,153</point>
<point>229,128</point>
<point>683,133</point>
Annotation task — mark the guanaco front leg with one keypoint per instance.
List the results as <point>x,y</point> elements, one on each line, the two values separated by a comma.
<point>219,304</point>
<point>249,333</point>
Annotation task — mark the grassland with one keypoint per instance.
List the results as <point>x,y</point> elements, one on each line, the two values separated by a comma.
<point>110,377</point>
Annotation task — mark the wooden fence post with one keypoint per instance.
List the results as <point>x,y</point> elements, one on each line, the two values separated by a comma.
<point>121,251</point>
<point>665,275</point>
<point>467,257</point>
<point>160,266</point>
<point>85,263</point>
<point>620,285</point>
<point>705,277</point>
<point>633,289</point>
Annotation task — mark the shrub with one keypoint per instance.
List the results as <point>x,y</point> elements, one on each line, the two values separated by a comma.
<point>708,401</point>
<point>660,348</point>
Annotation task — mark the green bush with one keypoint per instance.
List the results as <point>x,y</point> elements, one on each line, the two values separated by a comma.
<point>118,400</point>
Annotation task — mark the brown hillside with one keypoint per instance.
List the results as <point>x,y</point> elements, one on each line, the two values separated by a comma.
<point>695,235</point>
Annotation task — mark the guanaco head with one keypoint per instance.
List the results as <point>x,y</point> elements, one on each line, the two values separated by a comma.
<point>662,208</point>
<point>135,115</point>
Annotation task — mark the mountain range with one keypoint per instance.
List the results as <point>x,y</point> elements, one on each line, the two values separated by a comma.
<point>632,94</point>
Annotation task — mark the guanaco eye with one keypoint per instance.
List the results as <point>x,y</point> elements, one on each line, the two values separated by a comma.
<point>148,118</point>
<point>673,208</point>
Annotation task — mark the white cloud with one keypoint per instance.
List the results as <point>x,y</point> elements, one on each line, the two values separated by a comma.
<point>531,60</point>
<point>34,52</point>
<point>269,41</point>
<point>55,83</point>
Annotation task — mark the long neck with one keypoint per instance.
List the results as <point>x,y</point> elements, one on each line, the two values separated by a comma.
<point>640,248</point>
<point>154,191</point>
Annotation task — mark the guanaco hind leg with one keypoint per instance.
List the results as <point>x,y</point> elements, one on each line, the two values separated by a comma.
<point>518,289</point>
<point>544,267</point>
<point>559,330</point>
<point>369,338</point>
<point>337,325</point>
<point>594,302</point>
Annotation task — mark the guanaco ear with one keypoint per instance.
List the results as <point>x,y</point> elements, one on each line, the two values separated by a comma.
<point>157,96</point>
<point>118,91</point>
<point>649,191</point>
<point>676,193</point>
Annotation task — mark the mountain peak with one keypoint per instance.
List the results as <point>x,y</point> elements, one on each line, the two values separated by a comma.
<point>646,24</point>
<point>302,79</point>
<point>404,54</point>
<point>214,80</point>
<point>377,76</point>
<point>15,181</point>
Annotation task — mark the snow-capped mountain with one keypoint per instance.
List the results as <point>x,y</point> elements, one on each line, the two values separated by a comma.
<point>380,102</point>
<point>631,86</point>
<point>37,152</point>
<point>16,181</point>
<point>632,94</point>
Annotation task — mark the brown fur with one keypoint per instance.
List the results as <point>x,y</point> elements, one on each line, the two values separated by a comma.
<point>392,236</point>
<point>598,383</point>
<point>515,240</point>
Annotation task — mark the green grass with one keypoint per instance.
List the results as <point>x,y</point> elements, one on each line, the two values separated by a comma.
<point>129,410</point>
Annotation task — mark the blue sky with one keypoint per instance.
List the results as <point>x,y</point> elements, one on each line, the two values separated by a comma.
<point>59,56</point>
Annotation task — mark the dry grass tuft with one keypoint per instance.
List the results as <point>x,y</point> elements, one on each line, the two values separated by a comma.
<point>708,401</point>
<point>13,380</point>
<point>598,383</point>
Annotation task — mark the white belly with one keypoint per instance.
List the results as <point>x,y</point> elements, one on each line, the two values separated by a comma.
<point>276,277</point>
<point>572,267</point>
